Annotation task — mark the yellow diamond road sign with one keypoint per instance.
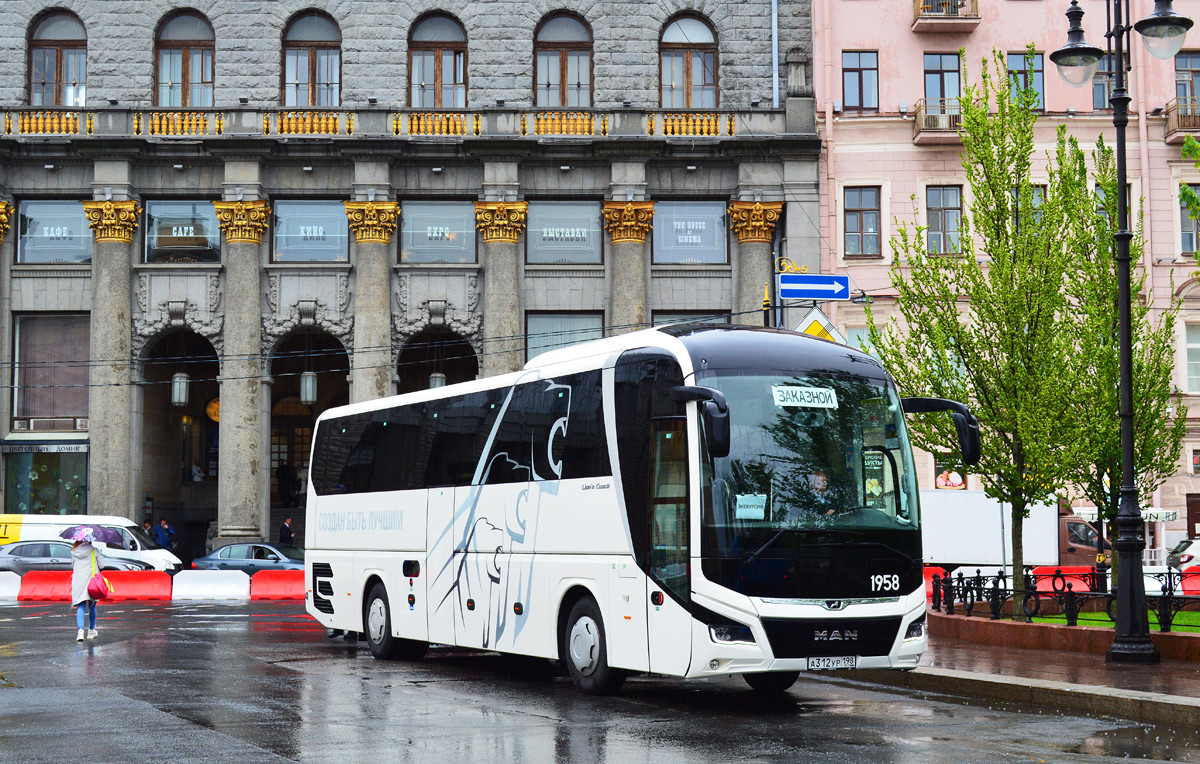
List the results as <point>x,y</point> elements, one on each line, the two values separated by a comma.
<point>817,324</point>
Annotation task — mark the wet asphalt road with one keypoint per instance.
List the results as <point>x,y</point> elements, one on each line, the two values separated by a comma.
<point>260,682</point>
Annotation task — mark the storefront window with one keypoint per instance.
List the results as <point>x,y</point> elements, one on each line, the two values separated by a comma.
<point>53,232</point>
<point>564,232</point>
<point>45,480</point>
<point>948,473</point>
<point>311,231</point>
<point>437,232</point>
<point>182,232</point>
<point>690,233</point>
<point>51,372</point>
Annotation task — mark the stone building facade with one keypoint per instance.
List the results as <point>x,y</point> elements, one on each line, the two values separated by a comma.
<point>220,219</point>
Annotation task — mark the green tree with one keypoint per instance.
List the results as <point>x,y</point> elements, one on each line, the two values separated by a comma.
<point>1095,469</point>
<point>991,325</point>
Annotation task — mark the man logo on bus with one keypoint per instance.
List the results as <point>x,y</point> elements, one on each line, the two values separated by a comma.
<point>845,635</point>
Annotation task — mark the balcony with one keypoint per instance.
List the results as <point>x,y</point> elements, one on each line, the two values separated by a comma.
<point>1183,119</point>
<point>937,121</point>
<point>945,16</point>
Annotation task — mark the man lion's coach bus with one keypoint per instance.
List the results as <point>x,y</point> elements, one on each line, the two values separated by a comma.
<point>690,501</point>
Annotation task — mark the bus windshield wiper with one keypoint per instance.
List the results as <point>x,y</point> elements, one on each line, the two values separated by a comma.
<point>750,558</point>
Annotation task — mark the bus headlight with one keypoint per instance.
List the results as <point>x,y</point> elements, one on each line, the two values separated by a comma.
<point>916,629</point>
<point>731,633</point>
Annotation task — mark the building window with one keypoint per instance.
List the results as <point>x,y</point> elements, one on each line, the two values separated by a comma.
<point>312,62</point>
<point>1020,77</point>
<point>1102,84</point>
<point>182,232</point>
<point>943,205</point>
<point>437,64</point>
<point>547,331</point>
<point>185,63</point>
<point>563,66</point>
<point>859,338</point>
<point>437,232</point>
<point>45,479</point>
<point>688,64</point>
<point>718,316</point>
<point>1187,75</point>
<point>690,233</point>
<point>53,232</point>
<point>563,232</point>
<point>311,232</point>
<point>942,77</point>
<point>57,61</point>
<point>860,80</point>
<point>50,376</point>
<point>1188,227</point>
<point>861,217</point>
<point>1193,357</point>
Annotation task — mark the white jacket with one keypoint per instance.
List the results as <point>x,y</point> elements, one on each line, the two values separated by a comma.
<point>82,559</point>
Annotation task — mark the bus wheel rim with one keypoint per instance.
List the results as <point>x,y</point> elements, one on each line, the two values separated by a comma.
<point>376,618</point>
<point>585,645</point>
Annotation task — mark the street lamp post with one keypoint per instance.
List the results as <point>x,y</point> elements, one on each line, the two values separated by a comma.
<point>1163,33</point>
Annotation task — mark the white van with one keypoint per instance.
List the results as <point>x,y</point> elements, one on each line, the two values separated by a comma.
<point>137,545</point>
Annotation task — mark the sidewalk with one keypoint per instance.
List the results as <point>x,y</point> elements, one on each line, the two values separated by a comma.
<point>1164,693</point>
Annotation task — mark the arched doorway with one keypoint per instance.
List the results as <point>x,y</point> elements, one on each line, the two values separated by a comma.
<point>180,443</point>
<point>303,364</point>
<point>435,350</point>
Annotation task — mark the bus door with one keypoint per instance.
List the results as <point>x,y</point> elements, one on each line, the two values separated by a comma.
<point>439,567</point>
<point>667,619</point>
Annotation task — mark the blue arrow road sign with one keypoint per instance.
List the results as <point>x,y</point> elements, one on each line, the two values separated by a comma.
<point>813,286</point>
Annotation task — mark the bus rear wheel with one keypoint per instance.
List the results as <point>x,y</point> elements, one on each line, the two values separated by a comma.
<point>377,624</point>
<point>585,651</point>
<point>771,681</point>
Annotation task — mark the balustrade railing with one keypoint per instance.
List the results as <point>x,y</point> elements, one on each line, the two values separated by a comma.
<point>692,124</point>
<point>48,122</point>
<point>927,9</point>
<point>432,123</point>
<point>564,123</point>
<point>178,123</point>
<point>1183,115</point>
<point>310,123</point>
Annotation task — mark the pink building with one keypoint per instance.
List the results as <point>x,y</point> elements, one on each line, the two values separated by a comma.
<point>886,76</point>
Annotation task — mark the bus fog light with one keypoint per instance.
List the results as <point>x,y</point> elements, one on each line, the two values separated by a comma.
<point>731,633</point>
<point>916,629</point>
<point>713,665</point>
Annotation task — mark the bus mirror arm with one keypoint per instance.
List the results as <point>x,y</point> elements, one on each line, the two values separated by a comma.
<point>715,411</point>
<point>965,423</point>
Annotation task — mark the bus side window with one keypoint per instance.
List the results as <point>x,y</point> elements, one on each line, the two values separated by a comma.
<point>669,498</point>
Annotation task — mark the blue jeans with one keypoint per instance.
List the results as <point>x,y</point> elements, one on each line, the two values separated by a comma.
<point>90,607</point>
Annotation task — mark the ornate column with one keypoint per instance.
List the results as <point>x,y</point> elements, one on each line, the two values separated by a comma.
<point>754,223</point>
<point>6,211</point>
<point>501,224</point>
<point>628,223</point>
<point>243,457</point>
<point>371,362</point>
<point>110,398</point>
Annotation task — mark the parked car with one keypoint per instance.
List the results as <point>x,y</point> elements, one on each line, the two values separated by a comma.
<point>136,545</point>
<point>23,556</point>
<point>252,558</point>
<point>1184,554</point>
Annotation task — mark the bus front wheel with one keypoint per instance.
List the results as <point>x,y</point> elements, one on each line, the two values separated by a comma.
<point>377,623</point>
<point>586,651</point>
<point>771,681</point>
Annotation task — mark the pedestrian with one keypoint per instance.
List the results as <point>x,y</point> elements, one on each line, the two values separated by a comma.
<point>285,533</point>
<point>302,486</point>
<point>197,472</point>
<point>147,529</point>
<point>83,567</point>
<point>284,478</point>
<point>163,534</point>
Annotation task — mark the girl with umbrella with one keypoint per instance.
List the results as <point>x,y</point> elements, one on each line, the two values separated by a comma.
<point>83,567</point>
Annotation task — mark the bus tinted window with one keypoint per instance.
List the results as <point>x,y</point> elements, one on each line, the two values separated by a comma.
<point>463,425</point>
<point>336,439</point>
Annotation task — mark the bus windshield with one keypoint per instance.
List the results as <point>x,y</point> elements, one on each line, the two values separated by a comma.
<point>813,459</point>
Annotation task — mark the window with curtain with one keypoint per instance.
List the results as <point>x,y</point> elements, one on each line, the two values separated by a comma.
<point>688,65</point>
<point>57,61</point>
<point>547,331</point>
<point>184,57</point>
<point>312,62</point>
<point>50,372</point>
<point>437,64</point>
<point>563,63</point>
<point>944,213</point>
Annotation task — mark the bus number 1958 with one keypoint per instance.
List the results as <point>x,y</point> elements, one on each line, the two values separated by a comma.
<point>885,583</point>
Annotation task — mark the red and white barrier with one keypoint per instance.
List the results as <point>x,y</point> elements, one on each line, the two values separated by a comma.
<point>150,585</point>
<point>10,586</point>
<point>211,585</point>
<point>277,585</point>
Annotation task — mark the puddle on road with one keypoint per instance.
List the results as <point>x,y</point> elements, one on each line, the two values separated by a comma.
<point>1155,742</point>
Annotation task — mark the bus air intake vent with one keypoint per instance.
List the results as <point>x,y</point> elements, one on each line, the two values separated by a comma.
<point>824,637</point>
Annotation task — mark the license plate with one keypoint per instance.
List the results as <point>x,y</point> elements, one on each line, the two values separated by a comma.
<point>829,664</point>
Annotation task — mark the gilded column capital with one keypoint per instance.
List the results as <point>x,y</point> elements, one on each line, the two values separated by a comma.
<point>6,211</point>
<point>500,221</point>
<point>628,221</point>
<point>243,221</point>
<point>372,221</point>
<point>754,221</point>
<point>112,221</point>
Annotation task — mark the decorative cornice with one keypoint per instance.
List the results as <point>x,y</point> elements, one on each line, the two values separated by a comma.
<point>754,221</point>
<point>629,221</point>
<point>112,221</point>
<point>500,221</point>
<point>6,211</point>
<point>372,221</point>
<point>243,221</point>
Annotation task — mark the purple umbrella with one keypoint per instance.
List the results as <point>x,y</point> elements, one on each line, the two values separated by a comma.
<point>93,534</point>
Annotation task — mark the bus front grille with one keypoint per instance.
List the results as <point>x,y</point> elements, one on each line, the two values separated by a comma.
<point>823,637</point>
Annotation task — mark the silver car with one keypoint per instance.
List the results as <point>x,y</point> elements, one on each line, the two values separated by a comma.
<point>20,557</point>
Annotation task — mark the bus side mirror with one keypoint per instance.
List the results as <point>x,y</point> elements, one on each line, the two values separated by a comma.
<point>715,411</point>
<point>965,423</point>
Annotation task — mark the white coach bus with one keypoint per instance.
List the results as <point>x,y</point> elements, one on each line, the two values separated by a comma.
<point>690,501</point>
